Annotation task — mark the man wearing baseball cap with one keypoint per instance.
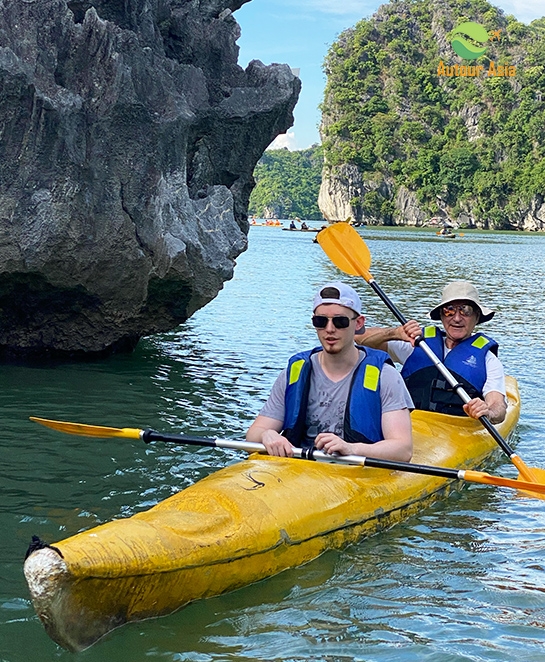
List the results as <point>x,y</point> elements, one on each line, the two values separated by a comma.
<point>470,357</point>
<point>337,397</point>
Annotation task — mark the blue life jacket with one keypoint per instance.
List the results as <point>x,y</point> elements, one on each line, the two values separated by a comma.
<point>363,413</point>
<point>466,361</point>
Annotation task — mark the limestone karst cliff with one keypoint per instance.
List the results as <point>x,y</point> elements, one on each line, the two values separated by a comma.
<point>412,130</point>
<point>129,135</point>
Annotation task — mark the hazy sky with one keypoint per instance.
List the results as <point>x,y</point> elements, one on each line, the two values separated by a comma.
<point>300,32</point>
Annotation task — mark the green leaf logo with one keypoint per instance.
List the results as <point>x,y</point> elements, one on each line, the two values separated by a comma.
<point>467,40</point>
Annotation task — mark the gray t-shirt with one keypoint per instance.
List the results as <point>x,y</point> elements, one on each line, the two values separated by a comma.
<point>327,399</point>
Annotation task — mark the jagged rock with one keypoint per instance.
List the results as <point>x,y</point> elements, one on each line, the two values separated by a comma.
<point>342,192</point>
<point>129,138</point>
<point>471,116</point>
<point>271,212</point>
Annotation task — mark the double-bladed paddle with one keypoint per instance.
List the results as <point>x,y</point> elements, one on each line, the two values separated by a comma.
<point>348,251</point>
<point>251,447</point>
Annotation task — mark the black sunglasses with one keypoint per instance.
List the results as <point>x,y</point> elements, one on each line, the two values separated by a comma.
<point>339,321</point>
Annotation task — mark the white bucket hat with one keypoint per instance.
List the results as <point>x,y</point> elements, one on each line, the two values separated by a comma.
<point>462,290</point>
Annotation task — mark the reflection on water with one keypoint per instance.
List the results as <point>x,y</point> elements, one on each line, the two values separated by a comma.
<point>462,580</point>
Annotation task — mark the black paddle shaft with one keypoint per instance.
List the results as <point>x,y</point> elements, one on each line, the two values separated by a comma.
<point>391,305</point>
<point>151,435</point>
<point>458,388</point>
<point>409,467</point>
<point>306,454</point>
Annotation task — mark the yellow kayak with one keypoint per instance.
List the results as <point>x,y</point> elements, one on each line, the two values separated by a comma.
<point>243,523</point>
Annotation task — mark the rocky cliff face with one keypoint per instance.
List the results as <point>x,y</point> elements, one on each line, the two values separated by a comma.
<point>341,186</point>
<point>533,217</point>
<point>129,138</point>
<point>337,193</point>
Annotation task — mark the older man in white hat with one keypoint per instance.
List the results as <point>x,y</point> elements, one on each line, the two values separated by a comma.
<point>471,357</point>
<point>337,397</point>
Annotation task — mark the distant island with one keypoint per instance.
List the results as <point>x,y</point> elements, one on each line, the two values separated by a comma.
<point>287,184</point>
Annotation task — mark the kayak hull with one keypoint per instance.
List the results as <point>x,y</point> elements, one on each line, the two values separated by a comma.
<point>242,524</point>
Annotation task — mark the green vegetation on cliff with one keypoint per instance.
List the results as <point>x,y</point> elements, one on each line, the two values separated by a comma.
<point>473,143</point>
<point>287,184</point>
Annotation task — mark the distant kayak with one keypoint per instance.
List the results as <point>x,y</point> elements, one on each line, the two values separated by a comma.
<point>302,229</point>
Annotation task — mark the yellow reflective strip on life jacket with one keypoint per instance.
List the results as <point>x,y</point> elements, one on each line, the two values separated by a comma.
<point>295,370</point>
<point>430,331</point>
<point>479,342</point>
<point>371,377</point>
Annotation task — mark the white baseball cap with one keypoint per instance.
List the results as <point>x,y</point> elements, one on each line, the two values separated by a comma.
<point>338,293</point>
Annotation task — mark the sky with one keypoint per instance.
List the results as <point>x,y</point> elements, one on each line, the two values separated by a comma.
<point>300,32</point>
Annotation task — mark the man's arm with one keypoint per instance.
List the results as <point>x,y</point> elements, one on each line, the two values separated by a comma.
<point>397,444</point>
<point>493,407</point>
<point>266,431</point>
<point>267,426</point>
<point>494,403</point>
<point>378,338</point>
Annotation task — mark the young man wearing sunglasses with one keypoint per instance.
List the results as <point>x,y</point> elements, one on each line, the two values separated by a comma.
<point>337,397</point>
<point>471,358</point>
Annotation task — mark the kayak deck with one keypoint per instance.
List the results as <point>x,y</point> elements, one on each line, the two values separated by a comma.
<point>243,523</point>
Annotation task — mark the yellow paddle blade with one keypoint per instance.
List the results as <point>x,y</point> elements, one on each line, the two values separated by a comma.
<point>533,489</point>
<point>88,430</point>
<point>346,249</point>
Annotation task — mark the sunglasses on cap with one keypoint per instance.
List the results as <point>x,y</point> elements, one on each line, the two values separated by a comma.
<point>339,321</point>
<point>465,310</point>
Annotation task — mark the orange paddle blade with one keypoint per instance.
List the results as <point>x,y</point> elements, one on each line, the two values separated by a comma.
<point>536,490</point>
<point>346,249</point>
<point>531,474</point>
<point>88,430</point>
<point>529,489</point>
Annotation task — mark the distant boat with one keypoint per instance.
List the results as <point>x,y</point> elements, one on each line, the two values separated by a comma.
<point>302,229</point>
<point>270,222</point>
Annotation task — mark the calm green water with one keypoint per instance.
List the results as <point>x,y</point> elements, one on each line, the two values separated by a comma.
<point>462,580</point>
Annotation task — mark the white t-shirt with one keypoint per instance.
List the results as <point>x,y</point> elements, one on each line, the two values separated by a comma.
<point>399,351</point>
